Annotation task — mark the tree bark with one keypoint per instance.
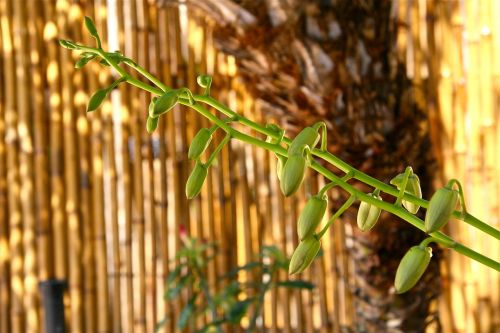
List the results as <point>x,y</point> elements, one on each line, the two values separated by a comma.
<point>335,60</point>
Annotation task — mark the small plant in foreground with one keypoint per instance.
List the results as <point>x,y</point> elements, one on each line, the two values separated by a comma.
<point>235,299</point>
<point>295,157</point>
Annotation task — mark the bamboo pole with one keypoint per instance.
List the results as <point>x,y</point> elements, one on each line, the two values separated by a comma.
<point>98,11</point>
<point>126,178</point>
<point>136,52</point>
<point>156,237</point>
<point>83,179</point>
<point>17,312</point>
<point>110,185</point>
<point>66,12</point>
<point>178,135</point>
<point>57,195</point>
<point>26,168</point>
<point>4,218</point>
<point>165,240</point>
<point>206,55</point>
<point>495,213</point>
<point>38,83</point>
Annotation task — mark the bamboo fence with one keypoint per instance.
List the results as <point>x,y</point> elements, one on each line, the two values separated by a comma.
<point>95,200</point>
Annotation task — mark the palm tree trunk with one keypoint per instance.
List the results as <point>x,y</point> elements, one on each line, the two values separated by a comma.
<point>336,60</point>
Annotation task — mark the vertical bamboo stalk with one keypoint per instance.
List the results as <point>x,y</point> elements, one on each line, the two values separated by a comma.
<point>17,312</point>
<point>26,168</point>
<point>496,143</point>
<point>148,44</point>
<point>165,240</point>
<point>4,216</point>
<point>44,258</point>
<point>489,151</point>
<point>178,139</point>
<point>101,269</point>
<point>57,195</point>
<point>137,52</point>
<point>111,223</point>
<point>206,55</point>
<point>65,10</point>
<point>126,177</point>
<point>88,283</point>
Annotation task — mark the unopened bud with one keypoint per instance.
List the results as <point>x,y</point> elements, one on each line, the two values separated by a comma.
<point>307,137</point>
<point>441,207</point>
<point>304,254</point>
<point>200,143</point>
<point>412,267</point>
<point>165,103</point>
<point>152,124</point>
<point>311,216</point>
<point>412,187</point>
<point>368,214</point>
<point>196,180</point>
<point>293,174</point>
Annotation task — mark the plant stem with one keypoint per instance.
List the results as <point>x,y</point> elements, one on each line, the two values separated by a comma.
<point>337,214</point>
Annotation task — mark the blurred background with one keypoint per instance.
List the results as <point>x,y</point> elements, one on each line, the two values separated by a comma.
<point>95,201</point>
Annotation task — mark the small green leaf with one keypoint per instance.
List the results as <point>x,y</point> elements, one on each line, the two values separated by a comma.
<point>92,29</point>
<point>104,62</point>
<point>67,44</point>
<point>152,124</point>
<point>172,293</point>
<point>82,62</point>
<point>238,310</point>
<point>96,99</point>
<point>295,284</point>
<point>186,313</point>
<point>88,55</point>
<point>173,274</point>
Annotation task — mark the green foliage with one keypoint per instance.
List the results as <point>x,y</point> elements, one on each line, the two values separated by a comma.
<point>235,299</point>
<point>96,99</point>
<point>89,24</point>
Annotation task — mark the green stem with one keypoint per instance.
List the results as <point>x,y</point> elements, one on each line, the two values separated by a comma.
<point>461,192</point>
<point>218,149</point>
<point>147,75</point>
<point>337,214</point>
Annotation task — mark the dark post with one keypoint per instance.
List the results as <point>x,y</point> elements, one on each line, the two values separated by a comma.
<point>52,295</point>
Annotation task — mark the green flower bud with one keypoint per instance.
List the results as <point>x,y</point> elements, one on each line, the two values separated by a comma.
<point>196,180</point>
<point>200,143</point>
<point>165,103</point>
<point>293,174</point>
<point>304,254</point>
<point>412,187</point>
<point>441,206</point>
<point>311,216</point>
<point>368,214</point>
<point>308,136</point>
<point>152,124</point>
<point>412,267</point>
